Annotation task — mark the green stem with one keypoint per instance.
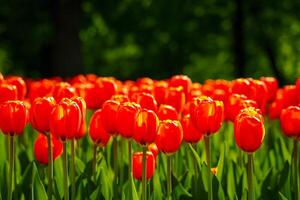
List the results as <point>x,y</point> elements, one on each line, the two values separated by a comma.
<point>250,177</point>
<point>129,164</point>
<point>144,178</point>
<point>50,166</point>
<point>169,177</point>
<point>296,170</point>
<point>95,161</point>
<point>115,146</point>
<point>73,168</point>
<point>209,177</point>
<point>11,165</point>
<point>65,170</point>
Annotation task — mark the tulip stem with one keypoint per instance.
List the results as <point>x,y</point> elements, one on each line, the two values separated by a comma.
<point>11,165</point>
<point>209,177</point>
<point>250,177</point>
<point>296,169</point>
<point>129,164</point>
<point>65,170</point>
<point>95,161</point>
<point>169,177</point>
<point>73,168</point>
<point>115,146</point>
<point>50,166</point>
<point>144,178</point>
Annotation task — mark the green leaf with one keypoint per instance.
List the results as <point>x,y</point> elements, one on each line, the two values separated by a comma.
<point>196,156</point>
<point>158,194</point>
<point>220,166</point>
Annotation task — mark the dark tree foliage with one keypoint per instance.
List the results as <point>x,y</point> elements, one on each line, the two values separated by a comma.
<point>133,38</point>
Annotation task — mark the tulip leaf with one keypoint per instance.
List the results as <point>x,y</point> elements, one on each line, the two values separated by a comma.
<point>195,156</point>
<point>158,194</point>
<point>220,166</point>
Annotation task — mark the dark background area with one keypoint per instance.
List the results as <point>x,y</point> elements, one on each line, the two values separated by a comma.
<point>132,38</point>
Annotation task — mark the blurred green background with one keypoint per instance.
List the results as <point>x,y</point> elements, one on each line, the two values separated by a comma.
<point>158,38</point>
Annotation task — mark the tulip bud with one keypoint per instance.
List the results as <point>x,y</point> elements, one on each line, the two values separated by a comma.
<point>290,121</point>
<point>137,165</point>
<point>96,129</point>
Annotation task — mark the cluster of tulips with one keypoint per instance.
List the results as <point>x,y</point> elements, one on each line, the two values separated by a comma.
<point>157,115</point>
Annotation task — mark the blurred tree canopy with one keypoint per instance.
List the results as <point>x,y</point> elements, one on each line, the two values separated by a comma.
<point>131,38</point>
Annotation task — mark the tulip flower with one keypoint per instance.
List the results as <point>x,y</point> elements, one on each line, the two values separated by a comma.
<point>98,134</point>
<point>8,92</point>
<point>175,97</point>
<point>243,86</point>
<point>145,100</point>
<point>41,149</point>
<point>40,113</point>
<point>63,90</point>
<point>183,81</point>
<point>145,130</point>
<point>110,109</point>
<point>272,87</point>
<point>190,133</point>
<point>169,136</point>
<point>20,84</point>
<point>137,165</point>
<point>168,140</point>
<point>159,91</point>
<point>298,89</point>
<point>153,148</point>
<point>167,112</point>
<point>64,113</point>
<point>13,119</point>
<point>207,116</point>
<point>290,124</point>
<point>249,132</point>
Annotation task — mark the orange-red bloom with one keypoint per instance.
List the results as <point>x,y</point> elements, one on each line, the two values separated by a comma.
<point>207,114</point>
<point>40,113</point>
<point>8,92</point>
<point>13,117</point>
<point>159,91</point>
<point>145,127</point>
<point>290,121</point>
<point>167,112</point>
<point>153,148</point>
<point>82,105</point>
<point>183,81</point>
<point>272,86</point>
<point>169,136</point>
<point>175,97</point>
<point>96,129</point>
<point>20,84</point>
<point>137,165</point>
<point>63,90</point>
<point>190,133</point>
<point>249,129</point>
<point>110,110</point>
<point>41,149</point>
<point>145,100</point>
<point>66,119</point>
<point>126,117</point>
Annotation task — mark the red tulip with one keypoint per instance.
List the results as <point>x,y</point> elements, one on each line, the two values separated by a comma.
<point>97,131</point>
<point>110,109</point>
<point>175,97</point>
<point>13,117</point>
<point>190,133</point>
<point>145,100</point>
<point>82,105</point>
<point>120,98</point>
<point>41,149</point>
<point>243,86</point>
<point>207,114</point>
<point>126,117</point>
<point>249,129</point>
<point>290,121</point>
<point>145,127</point>
<point>261,94</point>
<point>40,88</point>
<point>20,84</point>
<point>167,112</point>
<point>65,119</point>
<point>40,113</point>
<point>272,87</point>
<point>137,165</point>
<point>63,90</point>
<point>183,81</point>
<point>289,95</point>
<point>298,89</point>
<point>169,136</point>
<point>144,81</point>
<point>153,148</point>
<point>159,91</point>
<point>1,78</point>
<point>8,92</point>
